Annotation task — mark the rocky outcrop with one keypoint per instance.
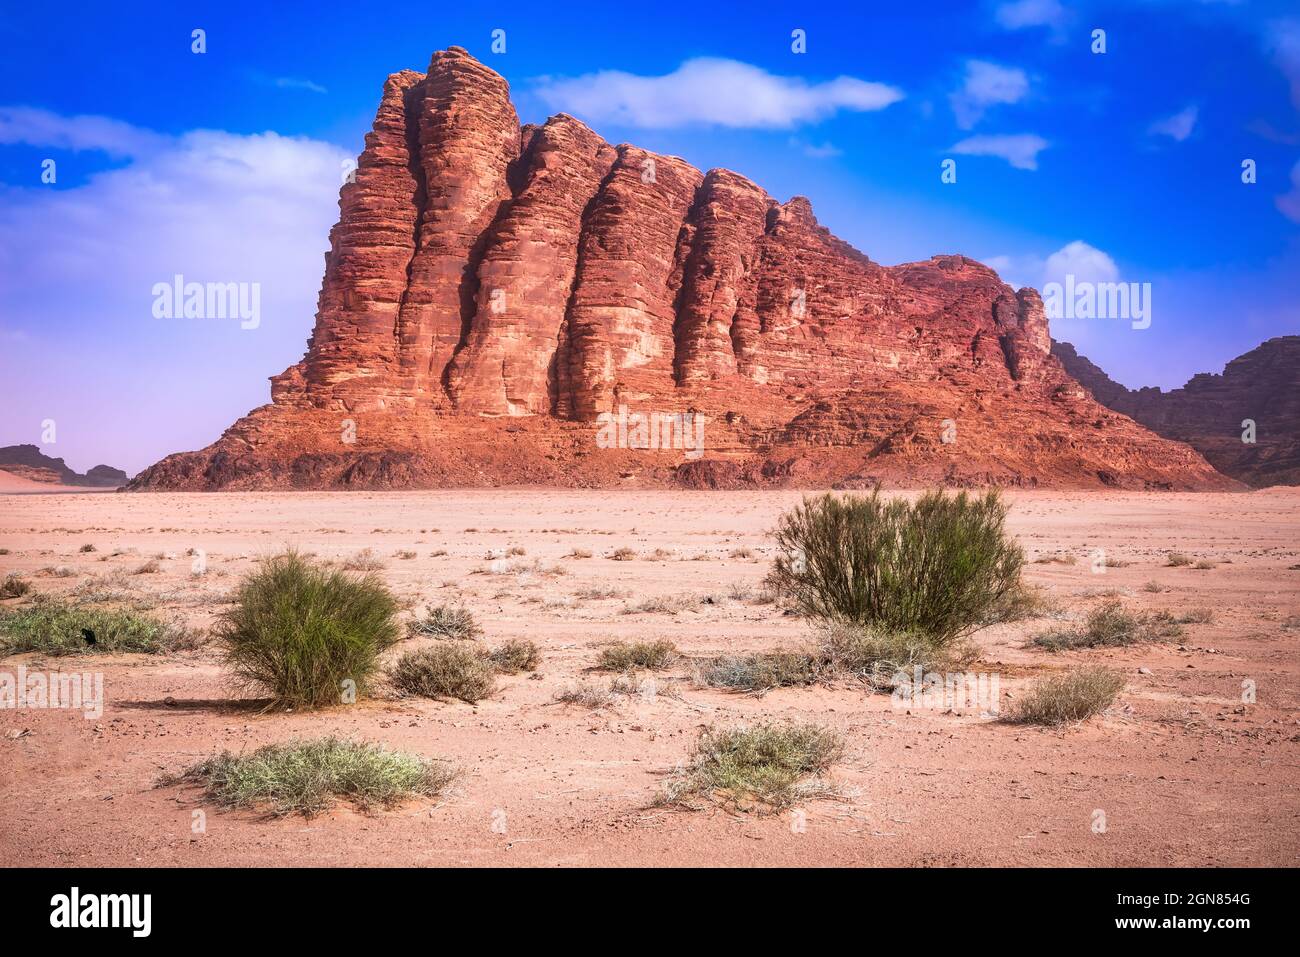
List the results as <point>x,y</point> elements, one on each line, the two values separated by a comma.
<point>28,461</point>
<point>506,304</point>
<point>1245,421</point>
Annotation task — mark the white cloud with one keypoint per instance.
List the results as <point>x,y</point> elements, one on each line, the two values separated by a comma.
<point>1177,127</point>
<point>1289,203</point>
<point>1085,263</point>
<point>79,265</point>
<point>1030,13</point>
<point>986,84</point>
<point>713,92</point>
<point>1019,149</point>
<point>36,127</point>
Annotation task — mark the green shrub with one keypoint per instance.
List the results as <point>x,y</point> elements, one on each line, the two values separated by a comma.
<point>515,656</point>
<point>444,621</point>
<point>446,671</point>
<point>299,630</point>
<point>306,777</point>
<point>627,656</point>
<point>940,567</point>
<point>58,627</point>
<point>763,764</point>
<point>1072,696</point>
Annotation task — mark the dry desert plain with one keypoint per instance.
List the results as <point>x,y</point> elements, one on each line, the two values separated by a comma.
<point>1183,771</point>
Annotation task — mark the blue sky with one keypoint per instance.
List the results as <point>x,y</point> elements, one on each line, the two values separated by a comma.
<point>224,166</point>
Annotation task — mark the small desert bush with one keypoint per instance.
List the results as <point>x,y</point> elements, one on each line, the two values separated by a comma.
<point>1177,560</point>
<point>363,561</point>
<point>1154,586</point>
<point>514,550</point>
<point>1203,565</point>
<point>515,656</point>
<point>85,549</point>
<point>662,605</point>
<point>940,566</point>
<point>760,671</point>
<point>592,695</point>
<point>623,554</point>
<point>764,765</point>
<point>1197,616</point>
<point>444,621</point>
<point>57,627</point>
<point>1110,625</point>
<point>628,656</point>
<point>404,554</point>
<point>299,630</point>
<point>307,777</point>
<point>446,671</point>
<point>579,553</point>
<point>150,567</point>
<point>1072,696</point>
<point>14,586</point>
<point>875,655</point>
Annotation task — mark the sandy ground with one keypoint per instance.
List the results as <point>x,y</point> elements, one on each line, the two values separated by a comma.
<point>1183,772</point>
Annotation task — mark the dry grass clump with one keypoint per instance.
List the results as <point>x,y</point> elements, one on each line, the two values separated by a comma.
<point>762,767</point>
<point>1110,625</point>
<point>662,605</point>
<point>151,567</point>
<point>623,554</point>
<point>629,656</point>
<point>87,548</point>
<point>760,671</point>
<point>404,554</point>
<point>1073,696</point>
<point>307,777</point>
<point>57,627</point>
<point>1057,558</point>
<point>593,695</point>
<point>1022,603</point>
<point>1177,560</point>
<point>598,593</point>
<point>363,561</point>
<point>444,621</point>
<point>446,671</point>
<point>865,653</point>
<point>579,553</point>
<point>1204,565</point>
<point>514,656</point>
<point>14,586</point>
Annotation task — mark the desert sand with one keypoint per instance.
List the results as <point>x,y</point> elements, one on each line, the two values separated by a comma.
<point>1183,771</point>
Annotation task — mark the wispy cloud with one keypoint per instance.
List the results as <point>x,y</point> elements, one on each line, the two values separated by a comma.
<point>986,84</point>
<point>1019,149</point>
<point>1283,40</point>
<point>824,150</point>
<point>710,91</point>
<point>37,127</point>
<point>1289,203</point>
<point>297,83</point>
<point>1021,14</point>
<point>1177,127</point>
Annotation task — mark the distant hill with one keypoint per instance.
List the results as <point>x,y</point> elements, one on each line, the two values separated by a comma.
<point>29,462</point>
<point>1209,413</point>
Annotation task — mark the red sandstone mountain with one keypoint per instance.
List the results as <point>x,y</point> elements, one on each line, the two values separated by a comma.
<point>28,461</point>
<point>1209,412</point>
<point>491,290</point>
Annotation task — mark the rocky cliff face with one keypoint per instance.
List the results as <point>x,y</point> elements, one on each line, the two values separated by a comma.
<point>495,295</point>
<point>1210,412</point>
